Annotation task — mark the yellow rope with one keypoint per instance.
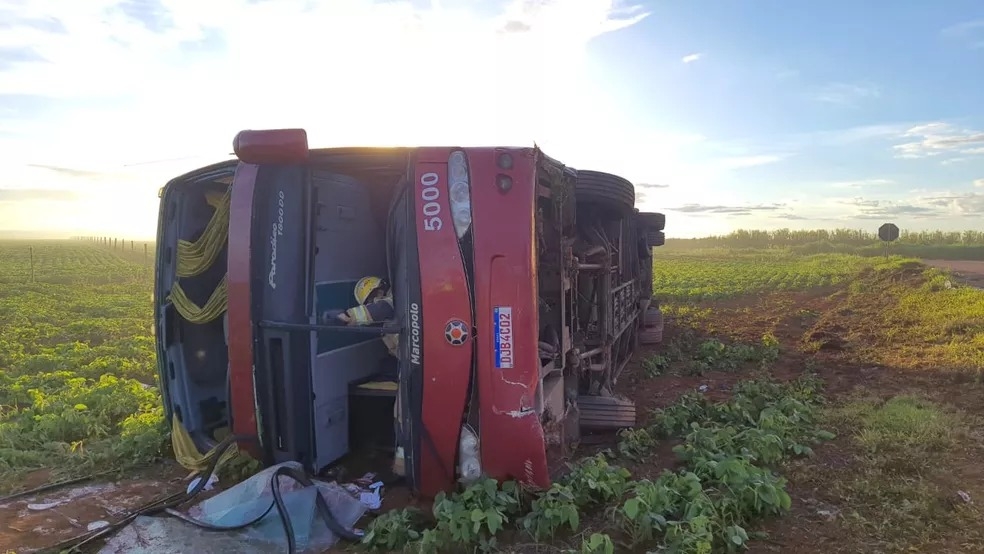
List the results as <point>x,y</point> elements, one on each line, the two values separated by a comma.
<point>215,199</point>
<point>213,308</point>
<point>187,454</point>
<point>195,257</point>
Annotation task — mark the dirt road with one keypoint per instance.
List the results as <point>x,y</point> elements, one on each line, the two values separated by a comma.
<point>971,272</point>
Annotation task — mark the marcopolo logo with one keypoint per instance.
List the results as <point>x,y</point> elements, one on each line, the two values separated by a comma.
<point>276,232</point>
<point>414,333</point>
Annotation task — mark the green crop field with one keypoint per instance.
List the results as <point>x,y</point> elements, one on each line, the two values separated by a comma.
<point>718,273</point>
<point>802,400</point>
<point>77,361</point>
<point>942,245</point>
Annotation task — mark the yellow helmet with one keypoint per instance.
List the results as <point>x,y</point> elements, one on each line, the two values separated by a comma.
<point>365,286</point>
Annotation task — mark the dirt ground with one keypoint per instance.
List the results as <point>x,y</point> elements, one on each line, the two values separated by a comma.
<point>972,272</point>
<point>34,522</point>
<point>820,521</point>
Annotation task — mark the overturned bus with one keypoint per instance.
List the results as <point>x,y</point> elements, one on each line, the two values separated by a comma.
<point>521,288</point>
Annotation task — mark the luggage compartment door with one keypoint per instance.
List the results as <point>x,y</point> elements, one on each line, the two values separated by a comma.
<point>281,293</point>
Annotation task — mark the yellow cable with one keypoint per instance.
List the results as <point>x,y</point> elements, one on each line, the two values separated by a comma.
<point>195,257</point>
<point>214,307</point>
<point>187,454</point>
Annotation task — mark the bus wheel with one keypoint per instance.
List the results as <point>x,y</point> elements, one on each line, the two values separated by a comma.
<point>652,317</point>
<point>605,190</point>
<point>651,335</point>
<point>655,238</point>
<point>652,220</point>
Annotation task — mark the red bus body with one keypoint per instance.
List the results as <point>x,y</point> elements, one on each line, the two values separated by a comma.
<point>506,277</point>
<point>470,305</point>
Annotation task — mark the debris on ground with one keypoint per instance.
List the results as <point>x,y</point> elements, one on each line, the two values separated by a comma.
<point>97,525</point>
<point>209,485</point>
<point>244,502</point>
<point>367,490</point>
<point>34,522</point>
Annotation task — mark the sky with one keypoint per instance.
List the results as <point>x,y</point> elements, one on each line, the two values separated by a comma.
<point>727,114</point>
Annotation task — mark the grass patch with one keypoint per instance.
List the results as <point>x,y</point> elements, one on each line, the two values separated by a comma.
<point>948,318</point>
<point>933,321</point>
<point>907,426</point>
<point>901,490</point>
<point>655,365</point>
<point>900,314</point>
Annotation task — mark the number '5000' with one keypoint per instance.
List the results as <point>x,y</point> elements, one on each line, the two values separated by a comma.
<point>429,193</point>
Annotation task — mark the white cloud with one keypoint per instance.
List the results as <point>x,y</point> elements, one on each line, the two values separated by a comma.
<point>846,94</point>
<point>690,58</point>
<point>970,33</point>
<point>939,138</point>
<point>179,80</point>
<point>923,208</point>
<point>862,183</point>
<point>330,66</point>
<point>739,162</point>
<point>979,182</point>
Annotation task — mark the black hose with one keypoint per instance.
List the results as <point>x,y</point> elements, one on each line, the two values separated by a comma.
<point>51,486</point>
<point>323,509</point>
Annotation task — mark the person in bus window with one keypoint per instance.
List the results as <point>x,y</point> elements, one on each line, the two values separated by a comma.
<point>375,305</point>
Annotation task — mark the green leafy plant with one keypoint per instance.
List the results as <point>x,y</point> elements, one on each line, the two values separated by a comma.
<point>769,350</point>
<point>552,510</point>
<point>635,444</point>
<point>594,481</point>
<point>655,365</point>
<point>676,419</point>
<point>714,355</point>
<point>598,543</point>
<point>652,505</point>
<point>393,530</point>
<point>473,516</point>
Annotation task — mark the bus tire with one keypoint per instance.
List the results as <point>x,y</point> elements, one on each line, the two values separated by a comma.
<point>652,220</point>
<point>655,239</point>
<point>605,190</point>
<point>651,336</point>
<point>652,317</point>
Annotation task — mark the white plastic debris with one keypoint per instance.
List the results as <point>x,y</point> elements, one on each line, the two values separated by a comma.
<point>829,515</point>
<point>45,506</point>
<point>371,498</point>
<point>209,485</point>
<point>244,502</point>
<point>97,525</point>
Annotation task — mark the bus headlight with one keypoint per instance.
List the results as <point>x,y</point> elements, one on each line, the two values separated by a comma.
<point>459,192</point>
<point>469,461</point>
